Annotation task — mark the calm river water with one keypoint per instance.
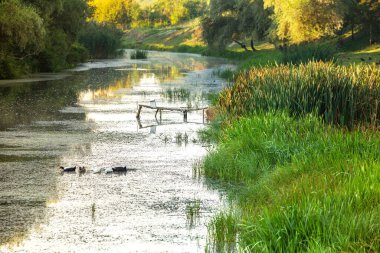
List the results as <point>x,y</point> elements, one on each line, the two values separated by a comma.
<point>88,119</point>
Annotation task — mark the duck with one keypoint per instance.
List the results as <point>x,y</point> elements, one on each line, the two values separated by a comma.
<point>108,170</point>
<point>98,171</point>
<point>68,169</point>
<point>119,169</point>
<point>82,170</point>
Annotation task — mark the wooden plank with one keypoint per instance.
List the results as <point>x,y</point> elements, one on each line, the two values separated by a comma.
<point>180,109</point>
<point>159,109</point>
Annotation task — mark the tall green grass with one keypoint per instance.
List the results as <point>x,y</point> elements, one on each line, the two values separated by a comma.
<point>342,95</point>
<point>303,186</point>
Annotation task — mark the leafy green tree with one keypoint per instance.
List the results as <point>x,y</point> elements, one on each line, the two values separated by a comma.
<point>21,28</point>
<point>118,12</point>
<point>22,34</point>
<point>305,20</point>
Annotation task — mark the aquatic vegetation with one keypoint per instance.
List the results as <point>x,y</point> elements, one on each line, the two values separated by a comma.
<point>176,94</point>
<point>193,212</point>
<point>341,95</point>
<point>300,186</point>
<point>139,54</point>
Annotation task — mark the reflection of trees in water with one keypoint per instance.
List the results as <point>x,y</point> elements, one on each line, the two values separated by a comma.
<point>25,190</point>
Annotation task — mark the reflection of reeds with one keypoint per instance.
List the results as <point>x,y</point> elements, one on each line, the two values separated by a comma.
<point>93,209</point>
<point>177,94</point>
<point>197,170</point>
<point>181,138</point>
<point>178,138</point>
<point>192,212</point>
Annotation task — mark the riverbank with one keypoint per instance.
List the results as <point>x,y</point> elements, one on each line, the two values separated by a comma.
<point>296,183</point>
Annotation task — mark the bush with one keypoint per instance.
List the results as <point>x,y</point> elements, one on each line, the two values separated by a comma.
<point>102,41</point>
<point>11,67</point>
<point>304,53</point>
<point>139,54</point>
<point>77,53</point>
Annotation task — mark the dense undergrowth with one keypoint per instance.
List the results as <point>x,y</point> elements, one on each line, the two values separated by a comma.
<point>299,151</point>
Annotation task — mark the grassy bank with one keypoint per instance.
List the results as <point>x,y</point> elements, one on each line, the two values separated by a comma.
<point>298,179</point>
<point>297,186</point>
<point>187,37</point>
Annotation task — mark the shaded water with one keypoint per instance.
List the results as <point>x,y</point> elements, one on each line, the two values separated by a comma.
<point>88,119</point>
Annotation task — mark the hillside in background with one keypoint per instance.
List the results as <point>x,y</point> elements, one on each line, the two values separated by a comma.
<point>186,36</point>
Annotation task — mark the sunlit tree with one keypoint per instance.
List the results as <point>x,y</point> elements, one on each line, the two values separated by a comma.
<point>305,20</point>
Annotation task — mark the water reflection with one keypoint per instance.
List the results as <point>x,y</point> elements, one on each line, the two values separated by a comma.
<point>88,119</point>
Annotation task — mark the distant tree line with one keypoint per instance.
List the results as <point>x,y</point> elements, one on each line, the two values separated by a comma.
<point>131,14</point>
<point>289,22</point>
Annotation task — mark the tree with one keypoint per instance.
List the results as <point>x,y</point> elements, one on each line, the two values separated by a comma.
<point>118,12</point>
<point>22,34</point>
<point>370,16</point>
<point>305,20</point>
<point>228,20</point>
<point>21,28</point>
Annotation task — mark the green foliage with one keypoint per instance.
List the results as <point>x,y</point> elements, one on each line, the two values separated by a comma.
<point>36,35</point>
<point>305,20</point>
<point>304,186</point>
<point>21,27</point>
<point>117,12</point>
<point>139,54</point>
<point>304,53</point>
<point>341,95</point>
<point>130,13</point>
<point>53,58</point>
<point>101,40</point>
<point>11,67</point>
<point>77,53</point>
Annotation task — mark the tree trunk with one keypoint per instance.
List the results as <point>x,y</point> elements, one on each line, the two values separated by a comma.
<point>370,34</point>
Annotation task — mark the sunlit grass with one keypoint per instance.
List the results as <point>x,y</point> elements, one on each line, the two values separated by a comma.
<point>303,186</point>
<point>345,96</point>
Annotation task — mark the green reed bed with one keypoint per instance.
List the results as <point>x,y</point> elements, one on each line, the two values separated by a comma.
<point>341,95</point>
<point>300,186</point>
<point>139,54</point>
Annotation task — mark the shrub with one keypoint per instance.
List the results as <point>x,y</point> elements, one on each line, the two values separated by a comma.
<point>139,54</point>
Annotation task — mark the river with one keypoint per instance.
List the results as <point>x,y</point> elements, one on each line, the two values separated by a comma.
<point>87,117</point>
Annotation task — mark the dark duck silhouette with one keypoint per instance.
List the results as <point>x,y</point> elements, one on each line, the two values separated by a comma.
<point>82,170</point>
<point>119,169</point>
<point>68,169</point>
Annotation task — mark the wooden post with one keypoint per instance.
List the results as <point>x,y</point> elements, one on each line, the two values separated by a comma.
<point>160,116</point>
<point>139,111</point>
<point>156,113</point>
<point>185,116</point>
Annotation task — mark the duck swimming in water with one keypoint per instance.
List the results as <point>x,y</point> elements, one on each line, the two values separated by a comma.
<point>82,170</point>
<point>68,169</point>
<point>119,169</point>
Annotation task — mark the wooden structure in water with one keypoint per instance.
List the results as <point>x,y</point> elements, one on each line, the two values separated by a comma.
<point>159,109</point>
